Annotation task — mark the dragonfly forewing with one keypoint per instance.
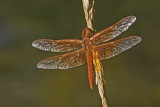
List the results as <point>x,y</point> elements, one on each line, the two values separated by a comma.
<point>57,45</point>
<point>113,31</point>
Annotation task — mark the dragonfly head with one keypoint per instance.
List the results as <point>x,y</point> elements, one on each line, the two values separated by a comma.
<point>86,33</point>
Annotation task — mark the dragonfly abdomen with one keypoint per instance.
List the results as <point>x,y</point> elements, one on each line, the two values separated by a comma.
<point>89,59</point>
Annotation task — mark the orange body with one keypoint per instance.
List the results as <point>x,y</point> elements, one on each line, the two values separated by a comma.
<point>89,58</point>
<point>87,44</point>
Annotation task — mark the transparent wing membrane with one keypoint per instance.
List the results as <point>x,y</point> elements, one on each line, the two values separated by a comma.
<point>113,31</point>
<point>69,60</point>
<point>57,45</point>
<point>110,49</point>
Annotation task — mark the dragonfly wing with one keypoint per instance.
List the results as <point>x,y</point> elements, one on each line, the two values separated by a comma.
<point>113,31</point>
<point>68,60</point>
<point>57,45</point>
<point>110,49</point>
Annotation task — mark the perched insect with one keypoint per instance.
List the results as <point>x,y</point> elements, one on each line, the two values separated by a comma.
<point>84,48</point>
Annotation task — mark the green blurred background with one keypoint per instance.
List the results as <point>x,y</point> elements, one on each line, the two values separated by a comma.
<point>132,78</point>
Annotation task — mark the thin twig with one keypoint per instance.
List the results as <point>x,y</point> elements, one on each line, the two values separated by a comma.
<point>89,12</point>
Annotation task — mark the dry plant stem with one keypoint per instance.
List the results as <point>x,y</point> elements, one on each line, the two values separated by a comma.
<point>99,77</point>
<point>89,11</point>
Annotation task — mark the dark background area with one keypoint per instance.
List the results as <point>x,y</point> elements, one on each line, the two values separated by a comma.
<point>132,78</point>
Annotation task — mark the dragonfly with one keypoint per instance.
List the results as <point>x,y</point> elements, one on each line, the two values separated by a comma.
<point>83,49</point>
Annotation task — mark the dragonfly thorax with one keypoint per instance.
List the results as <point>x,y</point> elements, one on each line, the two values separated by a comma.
<point>86,35</point>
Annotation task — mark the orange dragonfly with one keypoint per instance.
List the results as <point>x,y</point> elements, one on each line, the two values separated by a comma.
<point>84,48</point>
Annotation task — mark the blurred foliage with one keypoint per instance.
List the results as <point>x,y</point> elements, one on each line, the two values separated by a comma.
<point>132,78</point>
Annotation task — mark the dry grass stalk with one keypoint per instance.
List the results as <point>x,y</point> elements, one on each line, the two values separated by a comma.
<point>99,77</point>
<point>89,12</point>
